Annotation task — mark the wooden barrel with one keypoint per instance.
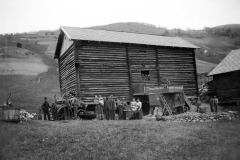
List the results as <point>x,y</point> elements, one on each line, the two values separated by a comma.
<point>11,114</point>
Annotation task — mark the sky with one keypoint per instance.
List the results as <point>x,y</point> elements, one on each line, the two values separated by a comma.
<point>19,16</point>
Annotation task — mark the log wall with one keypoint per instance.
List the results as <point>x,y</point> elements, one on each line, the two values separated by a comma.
<point>103,70</point>
<point>116,69</point>
<point>227,86</point>
<point>178,66</point>
<point>142,58</point>
<point>67,70</point>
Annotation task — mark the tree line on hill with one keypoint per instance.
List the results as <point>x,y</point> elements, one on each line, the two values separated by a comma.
<point>231,31</point>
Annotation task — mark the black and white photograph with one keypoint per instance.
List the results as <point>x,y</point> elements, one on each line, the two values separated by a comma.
<point>119,79</point>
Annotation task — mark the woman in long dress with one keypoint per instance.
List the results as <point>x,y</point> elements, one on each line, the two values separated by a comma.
<point>99,107</point>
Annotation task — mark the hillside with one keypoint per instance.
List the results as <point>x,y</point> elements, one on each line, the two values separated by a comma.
<point>29,73</point>
<point>18,61</point>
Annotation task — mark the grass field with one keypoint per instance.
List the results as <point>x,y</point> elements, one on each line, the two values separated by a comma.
<point>119,140</point>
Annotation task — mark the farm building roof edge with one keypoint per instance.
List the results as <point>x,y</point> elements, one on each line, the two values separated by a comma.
<point>229,64</point>
<point>75,33</point>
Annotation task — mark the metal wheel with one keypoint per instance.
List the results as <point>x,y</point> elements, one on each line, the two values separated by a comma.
<point>174,111</point>
<point>204,98</point>
<point>185,109</point>
<point>61,115</point>
<point>80,112</point>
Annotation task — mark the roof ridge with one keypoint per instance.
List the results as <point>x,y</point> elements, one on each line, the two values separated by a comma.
<point>123,32</point>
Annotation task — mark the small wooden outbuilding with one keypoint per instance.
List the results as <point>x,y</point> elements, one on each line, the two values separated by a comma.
<point>99,62</point>
<point>226,78</point>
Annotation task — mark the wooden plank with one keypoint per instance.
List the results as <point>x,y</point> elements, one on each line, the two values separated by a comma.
<point>157,68</point>
<point>129,73</point>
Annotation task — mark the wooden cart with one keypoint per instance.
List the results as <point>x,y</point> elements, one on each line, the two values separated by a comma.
<point>171,99</point>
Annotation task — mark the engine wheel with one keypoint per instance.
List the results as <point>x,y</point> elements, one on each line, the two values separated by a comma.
<point>185,109</point>
<point>80,112</point>
<point>61,115</point>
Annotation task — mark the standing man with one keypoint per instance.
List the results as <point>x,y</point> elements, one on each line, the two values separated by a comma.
<point>120,109</point>
<point>67,109</point>
<point>107,108</point>
<point>112,109</point>
<point>75,106</point>
<point>139,108</point>
<point>211,104</point>
<point>45,107</point>
<point>215,103</point>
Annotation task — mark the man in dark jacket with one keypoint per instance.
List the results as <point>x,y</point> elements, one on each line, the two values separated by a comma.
<point>215,103</point>
<point>45,107</point>
<point>107,108</point>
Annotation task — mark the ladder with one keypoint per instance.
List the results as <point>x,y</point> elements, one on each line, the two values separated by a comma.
<point>166,106</point>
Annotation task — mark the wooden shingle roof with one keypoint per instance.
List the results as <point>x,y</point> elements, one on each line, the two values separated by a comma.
<point>74,33</point>
<point>230,63</point>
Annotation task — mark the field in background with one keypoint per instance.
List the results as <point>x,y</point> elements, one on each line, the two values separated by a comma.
<point>120,140</point>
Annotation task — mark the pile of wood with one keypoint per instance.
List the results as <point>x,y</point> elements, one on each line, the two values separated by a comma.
<point>198,117</point>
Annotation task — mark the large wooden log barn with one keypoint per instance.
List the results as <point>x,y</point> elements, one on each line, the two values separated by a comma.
<point>99,62</point>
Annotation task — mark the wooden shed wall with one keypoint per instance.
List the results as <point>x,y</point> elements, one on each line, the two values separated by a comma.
<point>67,70</point>
<point>115,69</point>
<point>227,86</point>
<point>143,58</point>
<point>179,67</point>
<point>103,70</point>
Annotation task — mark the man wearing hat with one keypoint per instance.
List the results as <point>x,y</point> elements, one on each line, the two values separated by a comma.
<point>45,107</point>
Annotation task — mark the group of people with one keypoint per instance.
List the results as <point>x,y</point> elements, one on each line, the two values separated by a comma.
<point>136,107</point>
<point>72,102</point>
<point>106,108</point>
<point>213,103</point>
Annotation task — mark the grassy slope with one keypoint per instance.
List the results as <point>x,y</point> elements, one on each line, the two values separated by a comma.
<point>119,140</point>
<point>217,47</point>
<point>27,94</point>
